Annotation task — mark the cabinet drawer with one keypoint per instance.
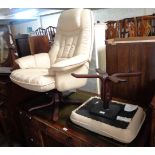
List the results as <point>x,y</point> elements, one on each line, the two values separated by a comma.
<point>5,126</point>
<point>31,130</point>
<point>64,137</point>
<point>34,139</point>
<point>3,89</point>
<point>2,100</point>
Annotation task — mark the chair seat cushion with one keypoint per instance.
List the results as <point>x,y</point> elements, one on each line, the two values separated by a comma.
<point>33,79</point>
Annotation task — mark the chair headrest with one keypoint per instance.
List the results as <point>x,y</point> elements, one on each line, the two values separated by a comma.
<point>70,20</point>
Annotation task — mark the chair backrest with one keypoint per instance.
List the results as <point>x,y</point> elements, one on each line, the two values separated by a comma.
<point>40,31</point>
<point>74,36</point>
<point>50,32</point>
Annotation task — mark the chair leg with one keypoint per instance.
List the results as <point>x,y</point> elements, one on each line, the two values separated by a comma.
<point>41,106</point>
<point>55,114</point>
<point>57,100</point>
<point>50,101</point>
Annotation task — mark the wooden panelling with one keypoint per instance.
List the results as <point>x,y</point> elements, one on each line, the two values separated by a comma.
<point>133,57</point>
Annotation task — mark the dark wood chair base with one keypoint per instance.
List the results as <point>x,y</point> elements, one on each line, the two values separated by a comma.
<point>57,100</point>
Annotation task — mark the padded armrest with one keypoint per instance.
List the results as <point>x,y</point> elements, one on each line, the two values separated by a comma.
<point>69,63</point>
<point>40,60</point>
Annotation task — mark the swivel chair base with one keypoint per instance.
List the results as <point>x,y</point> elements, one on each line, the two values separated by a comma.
<point>123,126</point>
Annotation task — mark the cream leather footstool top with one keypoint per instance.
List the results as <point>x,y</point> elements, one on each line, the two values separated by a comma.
<point>124,127</point>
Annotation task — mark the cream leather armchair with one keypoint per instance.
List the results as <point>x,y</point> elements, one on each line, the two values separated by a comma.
<point>70,53</point>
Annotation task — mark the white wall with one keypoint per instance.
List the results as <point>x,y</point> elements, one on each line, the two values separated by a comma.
<point>21,27</point>
<point>42,21</point>
<point>101,15</point>
<point>49,20</point>
<point>98,59</point>
<point>104,15</point>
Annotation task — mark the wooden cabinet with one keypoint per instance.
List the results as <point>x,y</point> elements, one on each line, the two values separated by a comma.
<point>133,57</point>
<point>11,96</point>
<point>3,122</point>
<point>7,121</point>
<point>4,82</point>
<point>39,44</point>
<point>67,136</point>
<point>31,130</point>
<point>152,137</point>
<point>27,45</point>
<point>22,44</point>
<point>40,130</point>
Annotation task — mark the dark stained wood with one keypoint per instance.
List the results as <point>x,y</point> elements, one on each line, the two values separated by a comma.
<point>131,27</point>
<point>152,137</point>
<point>65,133</point>
<point>13,105</point>
<point>133,57</point>
<point>27,45</point>
<point>39,44</point>
<point>29,125</point>
<point>23,48</point>
<point>12,97</point>
<point>106,80</point>
<point>11,48</point>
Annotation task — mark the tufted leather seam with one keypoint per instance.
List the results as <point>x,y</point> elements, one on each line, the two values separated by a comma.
<point>92,36</point>
<point>31,84</point>
<point>77,42</point>
<point>72,65</point>
<point>61,48</point>
<point>65,51</point>
<point>76,45</point>
<point>69,50</point>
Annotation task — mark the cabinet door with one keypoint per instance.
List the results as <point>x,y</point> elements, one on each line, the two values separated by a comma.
<point>124,58</point>
<point>135,65</point>
<point>148,70</point>
<point>31,130</point>
<point>122,66</point>
<point>22,44</point>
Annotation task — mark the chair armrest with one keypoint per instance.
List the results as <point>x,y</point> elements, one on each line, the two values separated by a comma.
<point>40,60</point>
<point>69,63</point>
